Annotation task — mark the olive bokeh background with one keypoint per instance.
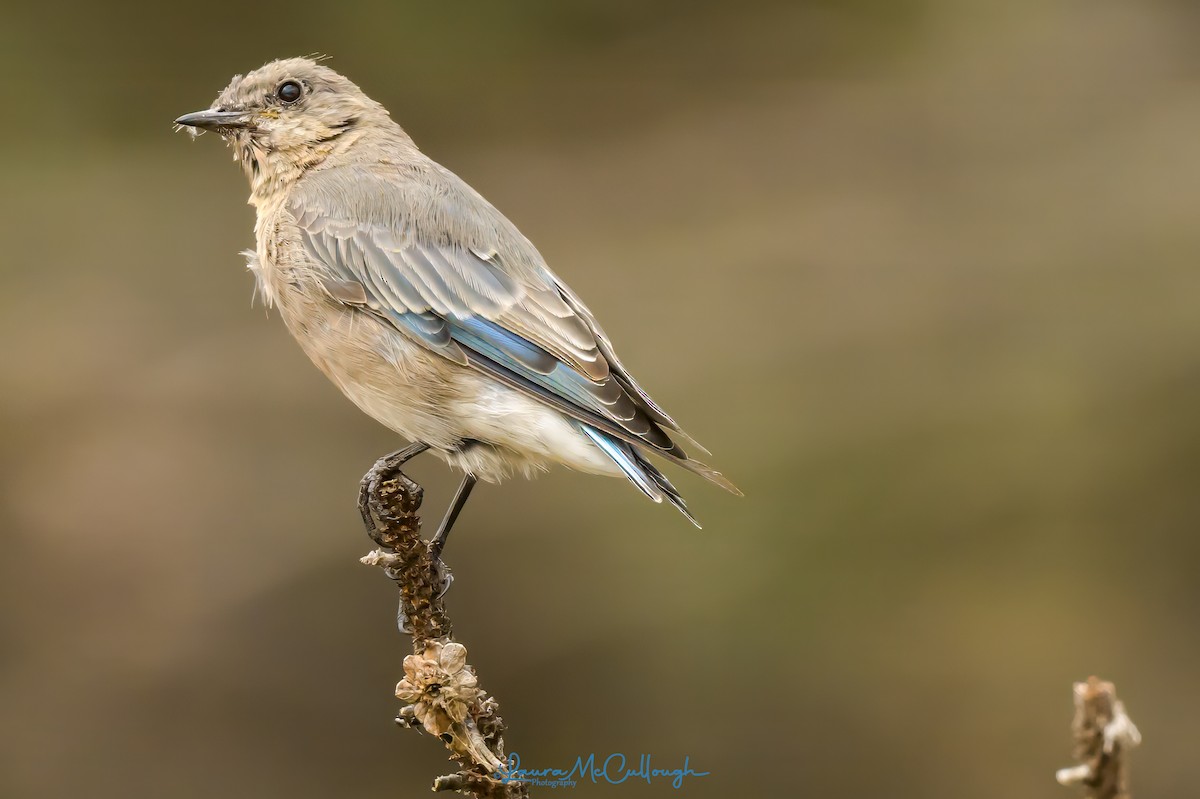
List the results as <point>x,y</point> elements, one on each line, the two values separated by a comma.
<point>921,273</point>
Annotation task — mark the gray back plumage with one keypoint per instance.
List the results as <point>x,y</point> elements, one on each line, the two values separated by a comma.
<point>398,236</point>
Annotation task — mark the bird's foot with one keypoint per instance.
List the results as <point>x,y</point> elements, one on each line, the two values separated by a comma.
<point>445,576</point>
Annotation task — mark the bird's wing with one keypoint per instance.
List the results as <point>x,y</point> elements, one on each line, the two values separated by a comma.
<point>444,267</point>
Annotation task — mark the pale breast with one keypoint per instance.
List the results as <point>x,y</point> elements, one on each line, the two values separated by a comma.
<point>393,380</point>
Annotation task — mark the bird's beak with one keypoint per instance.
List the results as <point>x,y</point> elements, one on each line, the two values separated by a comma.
<point>216,120</point>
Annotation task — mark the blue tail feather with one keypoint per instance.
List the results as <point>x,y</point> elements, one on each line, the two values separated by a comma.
<point>643,474</point>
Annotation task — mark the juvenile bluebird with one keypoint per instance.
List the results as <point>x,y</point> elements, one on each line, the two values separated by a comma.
<point>421,301</point>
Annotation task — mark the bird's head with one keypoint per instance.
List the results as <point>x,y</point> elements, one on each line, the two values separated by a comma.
<point>287,116</point>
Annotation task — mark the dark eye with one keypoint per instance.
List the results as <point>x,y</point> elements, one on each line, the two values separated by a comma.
<point>289,91</point>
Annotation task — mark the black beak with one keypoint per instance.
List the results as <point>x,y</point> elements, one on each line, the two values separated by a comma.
<point>216,120</point>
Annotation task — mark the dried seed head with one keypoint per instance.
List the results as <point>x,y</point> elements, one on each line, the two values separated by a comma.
<point>440,686</point>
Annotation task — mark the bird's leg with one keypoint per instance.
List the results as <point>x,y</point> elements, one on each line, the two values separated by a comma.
<point>387,463</point>
<point>392,462</point>
<point>456,506</point>
<point>382,468</point>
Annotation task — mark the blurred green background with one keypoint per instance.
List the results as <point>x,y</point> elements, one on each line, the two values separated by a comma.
<point>921,273</point>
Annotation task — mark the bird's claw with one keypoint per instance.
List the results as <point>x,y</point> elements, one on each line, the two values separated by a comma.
<point>444,575</point>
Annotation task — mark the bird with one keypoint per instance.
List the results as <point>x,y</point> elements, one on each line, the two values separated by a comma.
<point>423,303</point>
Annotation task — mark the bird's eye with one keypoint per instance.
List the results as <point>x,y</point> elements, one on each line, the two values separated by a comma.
<point>289,92</point>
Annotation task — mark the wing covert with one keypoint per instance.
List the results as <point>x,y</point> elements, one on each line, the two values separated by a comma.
<point>481,301</point>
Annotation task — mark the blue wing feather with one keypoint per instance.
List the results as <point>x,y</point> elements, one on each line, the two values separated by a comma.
<point>484,299</point>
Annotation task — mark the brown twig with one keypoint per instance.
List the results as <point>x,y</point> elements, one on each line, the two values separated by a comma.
<point>1104,734</point>
<point>441,687</point>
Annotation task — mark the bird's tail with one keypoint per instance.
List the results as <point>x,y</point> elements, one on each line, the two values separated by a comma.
<point>643,474</point>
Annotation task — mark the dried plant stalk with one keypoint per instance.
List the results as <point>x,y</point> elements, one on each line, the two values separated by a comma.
<point>1104,734</point>
<point>439,684</point>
